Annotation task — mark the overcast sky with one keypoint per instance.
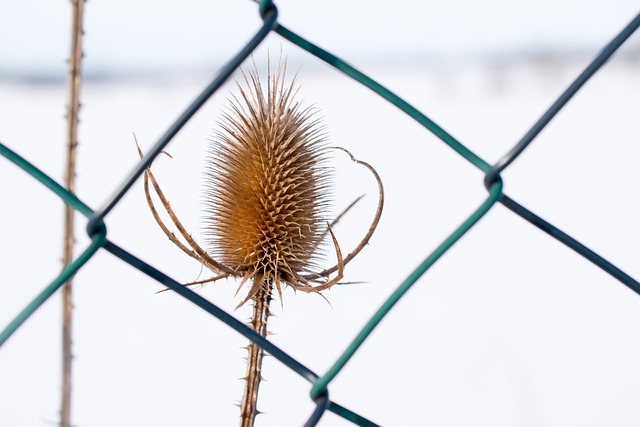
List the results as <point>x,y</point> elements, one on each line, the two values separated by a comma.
<point>123,36</point>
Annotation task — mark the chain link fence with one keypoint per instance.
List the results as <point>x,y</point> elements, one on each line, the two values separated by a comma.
<point>319,382</point>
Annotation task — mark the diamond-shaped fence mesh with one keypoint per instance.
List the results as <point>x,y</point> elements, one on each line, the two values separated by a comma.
<point>320,383</point>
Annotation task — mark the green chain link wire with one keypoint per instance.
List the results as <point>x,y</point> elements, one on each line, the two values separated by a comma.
<point>97,241</point>
<point>319,389</point>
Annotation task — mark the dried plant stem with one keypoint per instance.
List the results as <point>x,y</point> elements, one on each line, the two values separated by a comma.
<point>267,192</point>
<point>73,87</point>
<point>248,405</point>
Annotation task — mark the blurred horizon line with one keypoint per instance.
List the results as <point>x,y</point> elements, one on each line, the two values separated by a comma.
<point>101,73</point>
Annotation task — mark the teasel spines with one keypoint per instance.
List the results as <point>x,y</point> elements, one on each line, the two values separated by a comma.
<point>268,184</point>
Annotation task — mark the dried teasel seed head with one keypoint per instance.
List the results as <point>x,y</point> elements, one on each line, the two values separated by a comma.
<point>267,184</point>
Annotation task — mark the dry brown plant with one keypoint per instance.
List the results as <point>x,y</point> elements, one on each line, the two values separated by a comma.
<point>267,198</point>
<point>74,79</point>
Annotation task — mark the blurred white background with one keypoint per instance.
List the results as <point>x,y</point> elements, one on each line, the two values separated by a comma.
<point>509,328</point>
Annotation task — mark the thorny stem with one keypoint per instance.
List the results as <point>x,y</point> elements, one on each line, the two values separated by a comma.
<point>248,405</point>
<point>73,87</point>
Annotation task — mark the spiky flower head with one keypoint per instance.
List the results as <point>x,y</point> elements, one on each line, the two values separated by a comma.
<point>267,184</point>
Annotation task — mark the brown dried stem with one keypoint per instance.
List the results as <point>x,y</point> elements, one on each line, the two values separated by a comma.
<point>267,183</point>
<point>372,227</point>
<point>197,253</point>
<point>248,405</point>
<point>73,87</point>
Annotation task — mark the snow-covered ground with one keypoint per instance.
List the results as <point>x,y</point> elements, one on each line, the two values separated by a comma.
<point>509,328</point>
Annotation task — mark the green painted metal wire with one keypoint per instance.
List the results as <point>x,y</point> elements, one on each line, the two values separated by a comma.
<point>43,178</point>
<point>562,100</point>
<point>99,240</point>
<point>350,416</point>
<point>96,242</point>
<point>320,384</point>
<point>494,195</point>
<point>270,20</point>
<point>403,105</point>
<point>71,269</point>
